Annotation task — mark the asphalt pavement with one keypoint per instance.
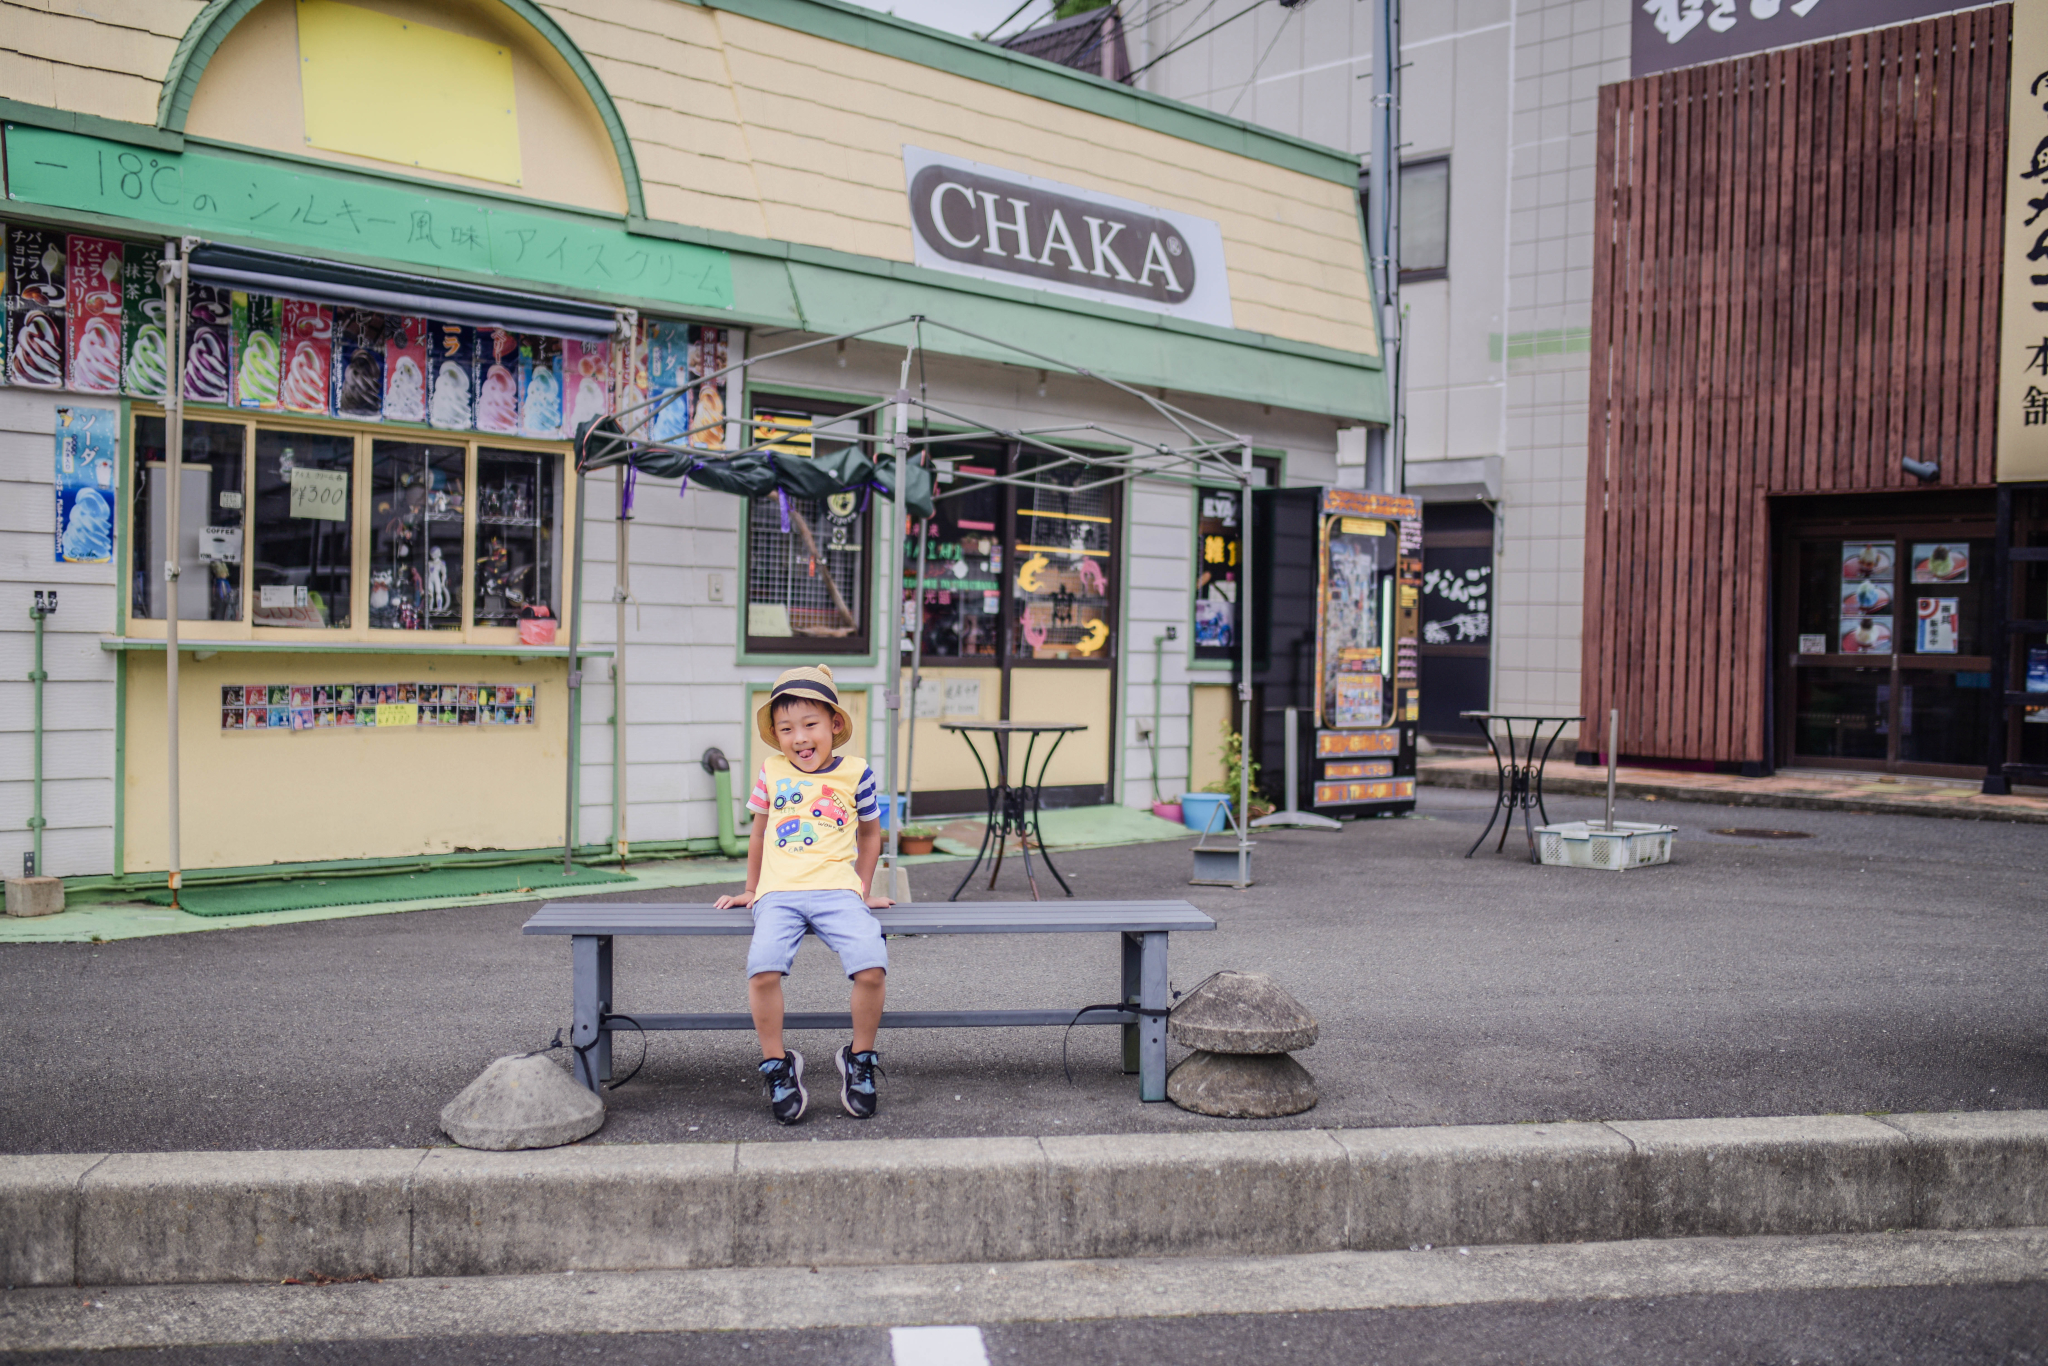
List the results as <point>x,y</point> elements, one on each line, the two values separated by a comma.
<point>1882,963</point>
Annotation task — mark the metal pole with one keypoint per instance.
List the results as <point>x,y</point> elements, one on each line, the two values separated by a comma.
<point>924,545</point>
<point>892,697</point>
<point>622,589</point>
<point>1384,221</point>
<point>1244,685</point>
<point>36,821</point>
<point>1613,739</point>
<point>575,684</point>
<point>175,278</point>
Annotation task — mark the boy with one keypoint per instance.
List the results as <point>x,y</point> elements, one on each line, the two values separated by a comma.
<point>810,864</point>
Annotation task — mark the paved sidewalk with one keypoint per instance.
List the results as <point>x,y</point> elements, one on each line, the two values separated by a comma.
<point>1792,789</point>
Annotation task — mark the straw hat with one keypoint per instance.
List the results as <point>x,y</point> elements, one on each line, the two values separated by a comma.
<point>812,682</point>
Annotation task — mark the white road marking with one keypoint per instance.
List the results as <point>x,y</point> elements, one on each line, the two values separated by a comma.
<point>951,1345</point>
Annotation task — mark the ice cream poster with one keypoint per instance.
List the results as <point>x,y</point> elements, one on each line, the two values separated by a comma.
<point>256,335</point>
<point>308,338</point>
<point>86,442</point>
<point>92,314</point>
<point>495,377</point>
<point>707,401</point>
<point>668,372</point>
<point>586,381</point>
<point>405,370</point>
<point>451,354</point>
<point>359,363</point>
<point>209,343</point>
<point>145,346</point>
<point>35,308</point>
<point>540,367</point>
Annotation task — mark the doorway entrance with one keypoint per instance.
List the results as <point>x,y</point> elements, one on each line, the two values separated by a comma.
<point>1882,641</point>
<point>1456,650</point>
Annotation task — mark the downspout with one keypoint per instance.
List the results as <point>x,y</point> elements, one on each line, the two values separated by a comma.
<point>174,276</point>
<point>720,768</point>
<point>1244,685</point>
<point>575,686</point>
<point>1158,694</point>
<point>44,606</point>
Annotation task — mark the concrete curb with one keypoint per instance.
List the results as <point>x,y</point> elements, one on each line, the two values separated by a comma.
<point>1560,779</point>
<point>152,1218</point>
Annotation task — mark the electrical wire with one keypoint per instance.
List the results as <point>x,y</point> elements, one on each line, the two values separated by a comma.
<point>1198,37</point>
<point>990,36</point>
<point>1253,78</point>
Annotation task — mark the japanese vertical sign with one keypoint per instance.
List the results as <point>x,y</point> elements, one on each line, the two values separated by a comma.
<point>85,484</point>
<point>2023,333</point>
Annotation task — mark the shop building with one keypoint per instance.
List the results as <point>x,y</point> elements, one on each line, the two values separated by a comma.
<point>424,240</point>
<point>1794,508</point>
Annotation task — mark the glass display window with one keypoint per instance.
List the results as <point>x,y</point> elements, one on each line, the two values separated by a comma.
<point>302,531</point>
<point>1063,566</point>
<point>963,596</point>
<point>358,531</point>
<point>210,511</point>
<point>807,558</point>
<point>416,535</point>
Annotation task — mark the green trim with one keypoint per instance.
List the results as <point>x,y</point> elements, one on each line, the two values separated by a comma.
<point>120,767</point>
<point>90,125</point>
<point>219,18</point>
<point>187,646</point>
<point>885,34</point>
<point>124,523</point>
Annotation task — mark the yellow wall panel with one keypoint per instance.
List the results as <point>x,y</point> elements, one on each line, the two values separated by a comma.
<point>256,797</point>
<point>1067,695</point>
<point>1209,714</point>
<point>404,91</point>
<point>942,763</point>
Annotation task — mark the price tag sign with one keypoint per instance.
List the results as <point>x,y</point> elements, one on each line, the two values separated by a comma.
<point>320,494</point>
<point>398,714</point>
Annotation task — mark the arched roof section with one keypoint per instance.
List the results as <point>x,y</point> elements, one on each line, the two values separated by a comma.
<point>219,18</point>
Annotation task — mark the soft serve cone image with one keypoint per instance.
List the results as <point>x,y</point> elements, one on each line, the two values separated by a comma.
<point>305,383</point>
<point>543,413</point>
<point>405,391</point>
<point>256,377</point>
<point>89,530</point>
<point>92,313</point>
<point>361,386</point>
<point>38,357</point>
<point>450,409</point>
<point>96,366</point>
<point>145,367</point>
<point>146,374</point>
<point>497,404</point>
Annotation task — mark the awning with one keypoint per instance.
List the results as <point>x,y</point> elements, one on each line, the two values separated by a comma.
<point>298,277</point>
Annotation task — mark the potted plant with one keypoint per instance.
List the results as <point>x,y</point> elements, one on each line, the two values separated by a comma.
<point>915,839</point>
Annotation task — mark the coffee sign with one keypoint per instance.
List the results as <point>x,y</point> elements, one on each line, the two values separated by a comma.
<point>999,225</point>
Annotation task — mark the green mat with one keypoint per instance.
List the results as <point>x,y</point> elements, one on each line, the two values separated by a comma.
<point>292,894</point>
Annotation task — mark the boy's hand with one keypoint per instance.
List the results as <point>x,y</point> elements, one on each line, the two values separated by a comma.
<point>726,903</point>
<point>878,902</point>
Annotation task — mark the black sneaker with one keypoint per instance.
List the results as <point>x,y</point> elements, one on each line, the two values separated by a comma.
<point>857,1081</point>
<point>787,1099</point>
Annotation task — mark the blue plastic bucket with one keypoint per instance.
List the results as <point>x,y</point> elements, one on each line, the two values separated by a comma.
<point>888,806</point>
<point>1206,812</point>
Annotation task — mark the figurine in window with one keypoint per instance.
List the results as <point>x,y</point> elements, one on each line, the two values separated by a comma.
<point>438,601</point>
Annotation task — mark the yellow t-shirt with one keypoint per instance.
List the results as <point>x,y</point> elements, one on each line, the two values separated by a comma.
<point>813,819</point>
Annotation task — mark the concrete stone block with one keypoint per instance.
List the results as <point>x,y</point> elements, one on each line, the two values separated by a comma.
<point>147,1218</point>
<point>1241,1085</point>
<point>1212,1194</point>
<point>602,1208</point>
<point>39,1212</point>
<point>1241,1012</point>
<point>1801,1174</point>
<point>899,1200</point>
<point>1978,1169</point>
<point>522,1101</point>
<point>35,895</point>
<point>1494,1183</point>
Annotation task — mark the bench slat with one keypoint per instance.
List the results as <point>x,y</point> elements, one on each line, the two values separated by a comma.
<point>944,917</point>
<point>620,1021</point>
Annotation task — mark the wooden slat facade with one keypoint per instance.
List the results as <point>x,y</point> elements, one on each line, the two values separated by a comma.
<point>1795,284</point>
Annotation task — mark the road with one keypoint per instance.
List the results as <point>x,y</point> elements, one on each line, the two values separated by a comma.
<point>1884,963</point>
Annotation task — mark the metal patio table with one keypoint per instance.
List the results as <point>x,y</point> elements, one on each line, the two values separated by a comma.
<point>1521,777</point>
<point>1012,807</point>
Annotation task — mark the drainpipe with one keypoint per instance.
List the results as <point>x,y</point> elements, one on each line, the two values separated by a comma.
<point>174,277</point>
<point>622,588</point>
<point>720,768</point>
<point>575,686</point>
<point>46,603</point>
<point>1158,686</point>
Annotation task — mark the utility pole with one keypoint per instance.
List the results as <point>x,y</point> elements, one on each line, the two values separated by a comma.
<point>1383,226</point>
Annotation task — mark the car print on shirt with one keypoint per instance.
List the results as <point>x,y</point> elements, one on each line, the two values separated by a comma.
<point>794,829</point>
<point>789,792</point>
<point>828,807</point>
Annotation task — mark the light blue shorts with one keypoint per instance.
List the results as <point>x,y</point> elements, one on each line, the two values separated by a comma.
<point>840,918</point>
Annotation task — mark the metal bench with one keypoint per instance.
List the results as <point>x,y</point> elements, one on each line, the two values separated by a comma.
<point>1142,926</point>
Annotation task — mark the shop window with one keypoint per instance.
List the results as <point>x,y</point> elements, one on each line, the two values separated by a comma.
<point>1219,550</point>
<point>518,527</point>
<point>963,596</point>
<point>210,517</point>
<point>1062,568</point>
<point>807,559</point>
<point>302,534</point>
<point>416,512</point>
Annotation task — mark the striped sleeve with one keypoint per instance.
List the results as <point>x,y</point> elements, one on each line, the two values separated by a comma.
<point>757,801</point>
<point>866,805</point>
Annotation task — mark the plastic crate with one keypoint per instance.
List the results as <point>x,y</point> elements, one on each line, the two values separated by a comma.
<point>1587,844</point>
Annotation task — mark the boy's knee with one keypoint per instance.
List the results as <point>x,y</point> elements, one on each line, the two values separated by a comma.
<point>871,977</point>
<point>764,978</point>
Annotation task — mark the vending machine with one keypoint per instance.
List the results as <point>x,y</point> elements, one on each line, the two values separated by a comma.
<point>1338,580</point>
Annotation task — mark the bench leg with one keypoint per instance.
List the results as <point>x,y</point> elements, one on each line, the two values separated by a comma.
<point>1153,996</point>
<point>1133,950</point>
<point>590,970</point>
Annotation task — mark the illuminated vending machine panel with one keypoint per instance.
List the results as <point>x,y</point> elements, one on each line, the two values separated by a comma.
<point>1368,604</point>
